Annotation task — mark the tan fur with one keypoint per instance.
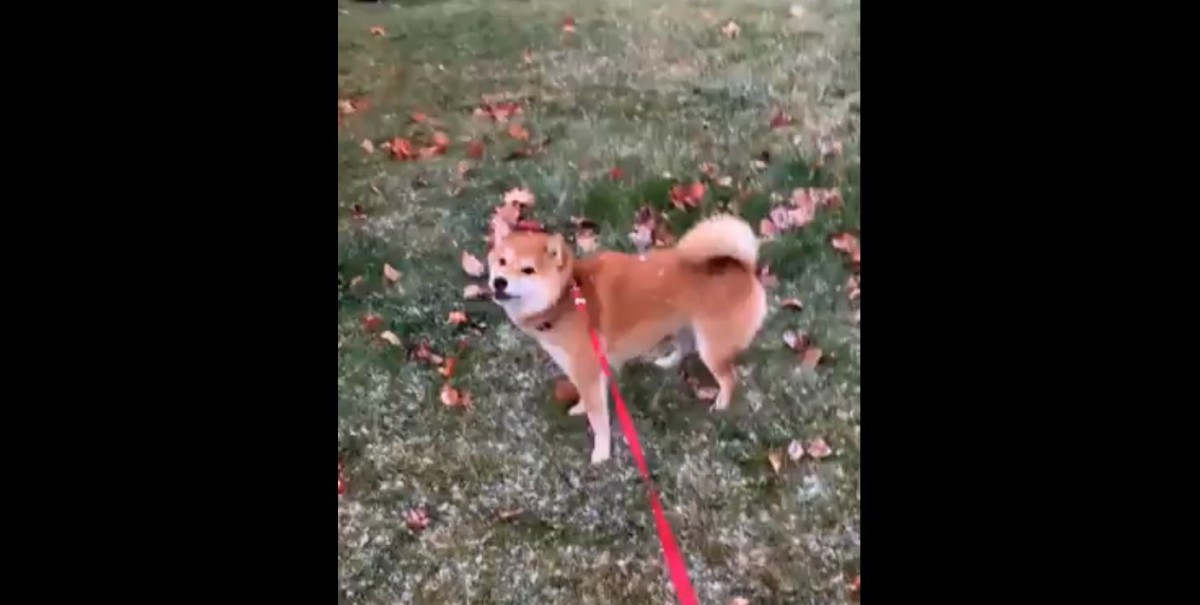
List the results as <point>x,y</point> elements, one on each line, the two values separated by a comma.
<point>705,289</point>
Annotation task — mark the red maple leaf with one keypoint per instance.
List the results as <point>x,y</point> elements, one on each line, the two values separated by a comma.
<point>402,149</point>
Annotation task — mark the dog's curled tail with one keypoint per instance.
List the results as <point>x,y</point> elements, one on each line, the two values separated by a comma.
<point>720,236</point>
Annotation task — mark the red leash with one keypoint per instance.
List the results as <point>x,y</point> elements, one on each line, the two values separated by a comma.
<point>675,562</point>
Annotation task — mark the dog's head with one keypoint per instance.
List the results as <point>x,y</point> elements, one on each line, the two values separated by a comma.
<point>529,270</point>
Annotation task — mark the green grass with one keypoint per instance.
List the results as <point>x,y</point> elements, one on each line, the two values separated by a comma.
<point>659,91</point>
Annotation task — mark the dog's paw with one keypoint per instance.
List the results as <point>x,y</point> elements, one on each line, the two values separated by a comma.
<point>721,403</point>
<point>669,361</point>
<point>600,454</point>
<point>576,410</point>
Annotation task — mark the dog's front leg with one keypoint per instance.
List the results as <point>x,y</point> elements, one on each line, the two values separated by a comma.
<point>594,399</point>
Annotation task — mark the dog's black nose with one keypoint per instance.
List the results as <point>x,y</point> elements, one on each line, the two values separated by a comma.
<point>499,284</point>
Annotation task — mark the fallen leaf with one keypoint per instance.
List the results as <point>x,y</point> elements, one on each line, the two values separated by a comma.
<point>372,322</point>
<point>796,10</point>
<point>792,303</point>
<point>740,601</point>
<point>616,173</point>
<point>527,57</point>
<point>684,197</point>
<point>341,479</point>
<point>725,181</point>
<point>391,337</point>
<point>357,281</point>
<point>367,146</point>
<point>565,391</point>
<point>519,196</point>
<point>463,169</point>
<point>471,265</point>
<point>418,117</point>
<point>441,140</point>
<point>852,288</point>
<point>568,25</point>
<point>427,153</point>
<point>391,274</point>
<point>518,132</point>
<point>457,318</point>
<point>776,460</point>
<point>795,451</point>
<point>509,515</point>
<point>378,31</point>
<point>731,29</point>
<point>707,393</point>
<point>475,149</point>
<point>358,211</point>
<point>447,370</point>
<point>817,448</point>
<point>847,243</point>
<point>796,341</point>
<point>709,169</point>
<point>450,396</point>
<point>855,585</point>
<point>401,149</point>
<point>587,241</point>
<point>474,291</point>
<point>417,518</point>
<point>360,104</point>
<point>780,119</point>
<point>766,278</point>
<point>767,228</point>
<point>811,357</point>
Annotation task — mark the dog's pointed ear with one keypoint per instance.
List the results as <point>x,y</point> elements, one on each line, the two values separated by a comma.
<point>500,230</point>
<point>556,247</point>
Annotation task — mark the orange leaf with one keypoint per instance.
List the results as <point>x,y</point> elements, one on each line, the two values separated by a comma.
<point>402,149</point>
<point>518,132</point>
<point>441,141</point>
<point>457,317</point>
<point>471,265</point>
<point>847,243</point>
<point>448,369</point>
<point>817,448</point>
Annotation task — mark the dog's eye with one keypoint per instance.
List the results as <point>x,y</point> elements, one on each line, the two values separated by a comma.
<point>503,262</point>
<point>527,270</point>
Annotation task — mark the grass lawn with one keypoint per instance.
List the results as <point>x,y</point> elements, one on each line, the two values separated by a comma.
<point>515,514</point>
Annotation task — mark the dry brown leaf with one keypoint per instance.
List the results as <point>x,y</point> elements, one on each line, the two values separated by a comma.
<point>508,515</point>
<point>391,337</point>
<point>528,57</point>
<point>345,107</point>
<point>447,370</point>
<point>731,29</point>
<point>707,393</point>
<point>391,274</point>
<point>474,291</point>
<point>795,451</point>
<point>792,303</point>
<point>471,265</point>
<point>725,181</point>
<point>817,448</point>
<point>357,281</point>
<point>378,31</point>
<point>457,318</point>
<point>568,26</point>
<point>740,601</point>
<point>367,146</point>
<point>776,459</point>
<point>811,357</point>
<point>518,196</point>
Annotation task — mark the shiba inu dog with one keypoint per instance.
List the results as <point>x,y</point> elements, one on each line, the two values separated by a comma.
<point>704,292</point>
